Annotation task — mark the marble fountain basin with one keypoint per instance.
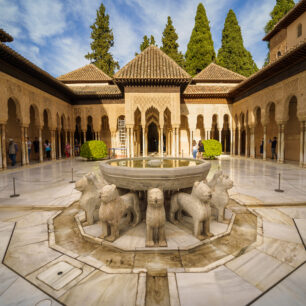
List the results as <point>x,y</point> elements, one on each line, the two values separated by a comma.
<point>146,172</point>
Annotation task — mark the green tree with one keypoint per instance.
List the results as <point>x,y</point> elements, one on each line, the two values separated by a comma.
<point>200,49</point>
<point>170,45</point>
<point>281,8</point>
<point>232,54</point>
<point>146,43</point>
<point>103,40</point>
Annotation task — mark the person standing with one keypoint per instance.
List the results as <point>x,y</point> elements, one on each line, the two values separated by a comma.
<point>261,147</point>
<point>273,147</point>
<point>12,151</point>
<point>67,150</point>
<point>29,146</point>
<point>194,149</point>
<point>200,149</point>
<point>48,149</point>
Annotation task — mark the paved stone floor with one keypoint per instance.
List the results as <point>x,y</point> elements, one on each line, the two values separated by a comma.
<point>261,262</point>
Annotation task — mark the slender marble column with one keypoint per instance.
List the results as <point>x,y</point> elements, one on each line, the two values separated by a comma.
<point>162,141</point>
<point>282,153</point>
<point>233,136</point>
<point>23,157</point>
<point>41,156</point>
<point>220,136</point>
<point>190,142</point>
<point>301,144</point>
<point>143,141</point>
<point>59,144</point>
<point>84,135</point>
<point>132,142</point>
<point>177,142</point>
<point>279,143</point>
<point>4,160</point>
<point>246,141</point>
<point>27,157</point>
<point>264,155</point>
<point>53,145</point>
<point>239,142</point>
<point>252,142</point>
<point>173,142</point>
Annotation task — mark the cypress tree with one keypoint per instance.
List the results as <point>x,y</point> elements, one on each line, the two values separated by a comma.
<point>103,40</point>
<point>146,43</point>
<point>232,54</point>
<point>170,45</point>
<point>200,49</point>
<point>281,8</point>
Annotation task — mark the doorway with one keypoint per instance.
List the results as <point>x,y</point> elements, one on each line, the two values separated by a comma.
<point>152,138</point>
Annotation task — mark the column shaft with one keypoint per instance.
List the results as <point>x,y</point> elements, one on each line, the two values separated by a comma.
<point>233,136</point>
<point>27,157</point>
<point>41,156</point>
<point>4,160</point>
<point>162,141</point>
<point>279,143</point>
<point>132,142</point>
<point>59,144</point>
<point>1,161</point>
<point>252,142</point>
<point>190,142</point>
<point>301,144</point>
<point>246,141</point>
<point>239,142</point>
<point>282,155</point>
<point>23,160</point>
<point>264,156</point>
<point>53,145</point>
<point>177,142</point>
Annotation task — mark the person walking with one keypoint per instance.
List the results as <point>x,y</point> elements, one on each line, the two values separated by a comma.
<point>273,147</point>
<point>29,146</point>
<point>67,150</point>
<point>200,149</point>
<point>12,151</point>
<point>261,147</point>
<point>194,149</point>
<point>48,149</point>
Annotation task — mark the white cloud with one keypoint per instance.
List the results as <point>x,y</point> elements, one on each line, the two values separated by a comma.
<point>9,17</point>
<point>43,19</point>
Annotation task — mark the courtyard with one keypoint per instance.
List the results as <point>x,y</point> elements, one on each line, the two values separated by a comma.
<point>260,261</point>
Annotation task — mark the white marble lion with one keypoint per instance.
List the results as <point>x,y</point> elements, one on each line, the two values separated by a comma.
<point>196,205</point>
<point>114,207</point>
<point>155,218</point>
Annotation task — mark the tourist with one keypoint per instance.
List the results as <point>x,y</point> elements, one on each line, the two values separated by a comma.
<point>200,149</point>
<point>76,147</point>
<point>273,147</point>
<point>36,147</point>
<point>194,149</point>
<point>67,150</point>
<point>29,146</point>
<point>261,147</point>
<point>12,151</point>
<point>48,149</point>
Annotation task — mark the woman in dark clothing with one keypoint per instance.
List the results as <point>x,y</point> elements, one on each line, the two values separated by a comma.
<point>200,149</point>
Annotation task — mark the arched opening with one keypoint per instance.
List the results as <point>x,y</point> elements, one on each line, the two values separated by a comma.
<point>292,133</point>
<point>105,131</point>
<point>242,134</point>
<point>78,137</point>
<point>153,138</point>
<point>46,135</point>
<point>184,136</point>
<point>33,154</point>
<point>271,129</point>
<point>200,133</point>
<point>89,131</point>
<point>167,131</point>
<point>226,135</point>
<point>62,135</point>
<point>258,133</point>
<point>13,131</point>
<point>214,129</point>
<point>235,147</point>
<point>138,147</point>
<point>299,30</point>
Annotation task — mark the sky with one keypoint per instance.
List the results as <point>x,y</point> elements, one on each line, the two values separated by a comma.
<point>55,34</point>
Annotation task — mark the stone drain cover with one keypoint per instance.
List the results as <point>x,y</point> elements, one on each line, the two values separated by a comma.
<point>59,275</point>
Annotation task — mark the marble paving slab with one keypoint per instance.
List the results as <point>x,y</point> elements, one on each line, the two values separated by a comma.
<point>290,291</point>
<point>291,253</point>
<point>274,215</point>
<point>281,232</point>
<point>259,269</point>
<point>301,225</point>
<point>7,278</point>
<point>294,212</point>
<point>218,287</point>
<point>103,289</point>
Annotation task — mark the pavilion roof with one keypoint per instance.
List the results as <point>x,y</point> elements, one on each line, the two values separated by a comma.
<point>87,74</point>
<point>207,90</point>
<point>152,66</point>
<point>216,73</point>
<point>103,90</point>
<point>292,15</point>
<point>5,37</point>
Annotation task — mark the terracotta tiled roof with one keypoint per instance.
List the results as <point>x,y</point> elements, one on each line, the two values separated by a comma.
<point>97,90</point>
<point>293,55</point>
<point>152,65</point>
<point>207,90</point>
<point>5,37</point>
<point>88,73</point>
<point>292,15</point>
<point>216,73</point>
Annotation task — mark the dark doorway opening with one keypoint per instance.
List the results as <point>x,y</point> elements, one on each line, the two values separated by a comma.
<point>152,138</point>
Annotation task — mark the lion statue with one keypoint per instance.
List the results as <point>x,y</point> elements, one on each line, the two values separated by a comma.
<point>155,218</point>
<point>196,205</point>
<point>220,184</point>
<point>89,185</point>
<point>113,208</point>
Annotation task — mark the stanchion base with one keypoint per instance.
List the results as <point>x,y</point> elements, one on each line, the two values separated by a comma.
<point>14,195</point>
<point>278,190</point>
<point>72,182</point>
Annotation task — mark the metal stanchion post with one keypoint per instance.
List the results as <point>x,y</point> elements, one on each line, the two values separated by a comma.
<point>279,190</point>
<point>14,188</point>
<point>72,180</point>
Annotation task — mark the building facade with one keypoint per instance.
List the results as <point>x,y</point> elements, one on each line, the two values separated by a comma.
<point>153,105</point>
